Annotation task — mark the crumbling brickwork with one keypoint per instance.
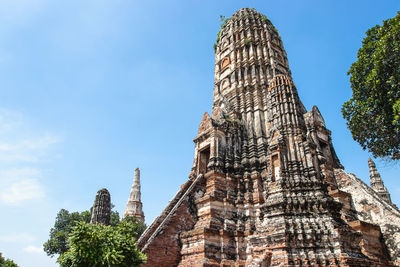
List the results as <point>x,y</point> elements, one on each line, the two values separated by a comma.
<point>374,209</point>
<point>101,211</point>
<point>263,187</point>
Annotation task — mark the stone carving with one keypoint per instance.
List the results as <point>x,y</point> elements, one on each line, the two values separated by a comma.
<point>205,123</point>
<point>101,210</point>
<point>134,206</point>
<point>225,63</point>
<point>263,188</point>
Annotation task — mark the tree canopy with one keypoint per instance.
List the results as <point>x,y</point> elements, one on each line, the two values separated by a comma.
<point>101,245</point>
<point>78,243</point>
<point>6,262</point>
<point>65,222</point>
<point>373,111</point>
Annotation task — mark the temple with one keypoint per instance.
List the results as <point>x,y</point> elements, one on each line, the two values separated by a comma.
<point>266,187</point>
<point>134,206</point>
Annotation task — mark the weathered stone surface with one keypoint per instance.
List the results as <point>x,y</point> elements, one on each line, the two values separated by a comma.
<point>101,208</point>
<point>374,209</point>
<point>263,188</point>
<point>134,206</point>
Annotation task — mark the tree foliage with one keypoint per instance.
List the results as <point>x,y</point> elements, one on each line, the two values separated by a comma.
<point>100,245</point>
<point>78,243</point>
<point>65,222</point>
<point>373,112</point>
<point>6,262</point>
<point>136,226</point>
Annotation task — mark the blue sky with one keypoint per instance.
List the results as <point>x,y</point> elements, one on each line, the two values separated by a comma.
<point>90,90</point>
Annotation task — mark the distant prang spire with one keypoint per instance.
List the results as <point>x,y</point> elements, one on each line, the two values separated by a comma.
<point>377,183</point>
<point>101,208</point>
<point>134,205</point>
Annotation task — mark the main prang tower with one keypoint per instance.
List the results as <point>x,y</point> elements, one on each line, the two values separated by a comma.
<point>262,187</point>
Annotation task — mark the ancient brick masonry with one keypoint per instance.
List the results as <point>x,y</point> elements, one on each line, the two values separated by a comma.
<point>263,188</point>
<point>380,218</point>
<point>101,208</point>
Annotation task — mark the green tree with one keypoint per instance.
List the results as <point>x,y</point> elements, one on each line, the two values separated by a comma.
<point>65,222</point>
<point>100,245</point>
<point>137,226</point>
<point>373,111</point>
<point>6,262</point>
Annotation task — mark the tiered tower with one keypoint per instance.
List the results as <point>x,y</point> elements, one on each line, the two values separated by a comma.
<point>101,210</point>
<point>377,183</point>
<point>134,206</point>
<point>260,188</point>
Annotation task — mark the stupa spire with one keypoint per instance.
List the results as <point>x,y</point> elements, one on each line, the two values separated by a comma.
<point>377,182</point>
<point>134,206</point>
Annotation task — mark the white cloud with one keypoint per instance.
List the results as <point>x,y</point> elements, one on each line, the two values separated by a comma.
<point>19,143</point>
<point>28,150</point>
<point>17,238</point>
<point>21,150</point>
<point>34,249</point>
<point>22,190</point>
<point>9,120</point>
<point>19,185</point>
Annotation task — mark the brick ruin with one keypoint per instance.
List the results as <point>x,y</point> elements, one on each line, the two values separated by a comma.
<point>101,212</point>
<point>266,187</point>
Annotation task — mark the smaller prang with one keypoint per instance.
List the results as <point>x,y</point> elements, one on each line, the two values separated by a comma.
<point>134,206</point>
<point>101,208</point>
<point>377,182</point>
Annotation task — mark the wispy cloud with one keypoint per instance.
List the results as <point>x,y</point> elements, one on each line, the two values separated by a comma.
<point>17,238</point>
<point>28,150</point>
<point>19,185</point>
<point>21,151</point>
<point>34,249</point>
<point>9,120</point>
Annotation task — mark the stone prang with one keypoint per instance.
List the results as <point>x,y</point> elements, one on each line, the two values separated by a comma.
<point>101,208</point>
<point>266,187</point>
<point>377,183</point>
<point>134,207</point>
